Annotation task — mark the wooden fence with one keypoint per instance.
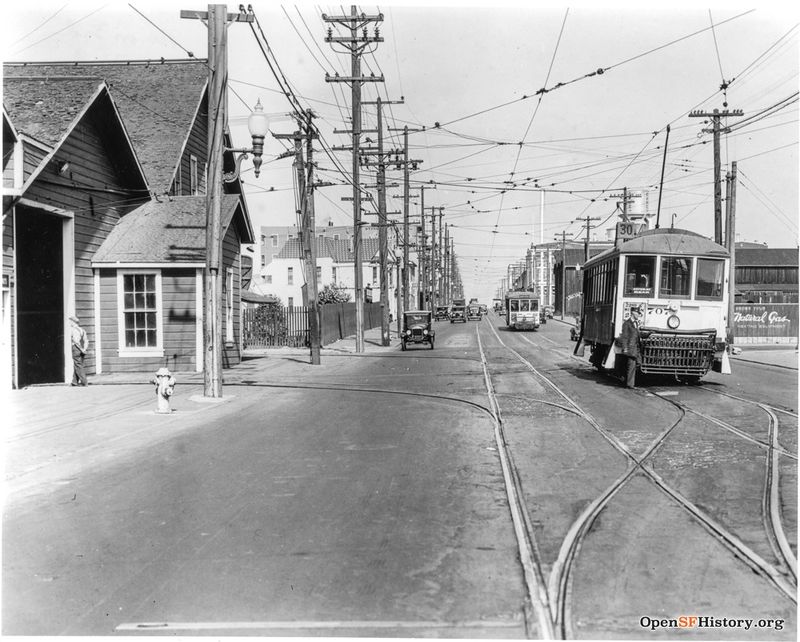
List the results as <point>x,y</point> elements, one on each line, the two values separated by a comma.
<point>272,326</point>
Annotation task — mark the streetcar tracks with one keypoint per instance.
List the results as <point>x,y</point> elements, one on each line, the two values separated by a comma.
<point>560,576</point>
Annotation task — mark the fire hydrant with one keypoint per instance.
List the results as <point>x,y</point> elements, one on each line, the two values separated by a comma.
<point>165,386</point>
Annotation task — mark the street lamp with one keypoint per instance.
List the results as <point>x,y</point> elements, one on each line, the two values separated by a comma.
<point>258,124</point>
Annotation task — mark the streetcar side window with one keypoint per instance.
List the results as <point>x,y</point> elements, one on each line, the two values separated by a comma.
<point>513,305</point>
<point>639,275</point>
<point>676,277</point>
<point>710,279</point>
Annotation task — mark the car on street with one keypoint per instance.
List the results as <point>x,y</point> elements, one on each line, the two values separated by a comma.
<point>442,312</point>
<point>417,328</point>
<point>484,308</point>
<point>548,311</point>
<point>458,313</point>
<point>474,312</point>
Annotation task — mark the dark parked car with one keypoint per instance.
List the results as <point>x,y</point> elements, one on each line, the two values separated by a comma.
<point>417,328</point>
<point>458,313</point>
<point>474,313</point>
<point>441,312</point>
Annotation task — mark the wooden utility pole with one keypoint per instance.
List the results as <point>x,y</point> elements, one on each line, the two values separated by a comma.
<point>383,243</point>
<point>309,233</point>
<point>730,239</point>
<point>355,44</point>
<point>433,262</point>
<point>588,220</point>
<point>405,163</point>
<point>716,130</point>
<point>447,279</point>
<point>425,260</point>
<point>305,188</point>
<point>216,19</point>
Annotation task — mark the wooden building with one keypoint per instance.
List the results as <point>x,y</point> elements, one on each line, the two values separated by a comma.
<point>90,143</point>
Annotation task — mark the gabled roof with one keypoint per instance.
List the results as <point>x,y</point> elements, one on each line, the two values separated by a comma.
<point>166,231</point>
<point>340,250</point>
<point>46,110</point>
<point>158,102</point>
<point>45,113</point>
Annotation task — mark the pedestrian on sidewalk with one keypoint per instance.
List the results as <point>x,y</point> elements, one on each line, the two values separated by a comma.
<point>80,346</point>
<point>628,343</point>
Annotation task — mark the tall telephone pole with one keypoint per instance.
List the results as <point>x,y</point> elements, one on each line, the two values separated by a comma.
<point>305,188</point>
<point>217,20</point>
<point>425,261</point>
<point>355,44</point>
<point>383,245</point>
<point>405,163</point>
<point>589,227</point>
<point>716,130</point>
<point>730,240</point>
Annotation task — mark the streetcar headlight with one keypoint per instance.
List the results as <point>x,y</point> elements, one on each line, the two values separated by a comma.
<point>673,322</point>
<point>673,307</point>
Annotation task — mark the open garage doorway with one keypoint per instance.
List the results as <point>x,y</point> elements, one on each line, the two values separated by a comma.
<point>40,297</point>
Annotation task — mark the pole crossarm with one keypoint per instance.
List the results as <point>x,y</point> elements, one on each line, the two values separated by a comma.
<point>338,78</point>
<point>203,15</point>
<point>350,131</point>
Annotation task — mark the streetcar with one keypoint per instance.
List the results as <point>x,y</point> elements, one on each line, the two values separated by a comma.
<point>522,310</point>
<point>679,279</point>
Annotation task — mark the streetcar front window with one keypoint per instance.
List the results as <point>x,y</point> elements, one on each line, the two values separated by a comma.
<point>524,305</point>
<point>640,276</point>
<point>513,305</point>
<point>676,277</point>
<point>710,279</point>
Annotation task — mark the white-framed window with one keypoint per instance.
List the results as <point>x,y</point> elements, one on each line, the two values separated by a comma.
<point>374,274</point>
<point>333,275</point>
<point>194,184</point>
<point>290,276</point>
<point>139,313</point>
<point>319,273</point>
<point>290,302</point>
<point>229,305</point>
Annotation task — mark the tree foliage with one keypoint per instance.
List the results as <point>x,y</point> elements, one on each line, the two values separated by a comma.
<point>333,293</point>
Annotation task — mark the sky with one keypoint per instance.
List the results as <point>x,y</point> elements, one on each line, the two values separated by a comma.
<point>518,131</point>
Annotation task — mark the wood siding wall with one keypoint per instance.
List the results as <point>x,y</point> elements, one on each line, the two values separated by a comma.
<point>179,319</point>
<point>95,190</point>
<point>8,271</point>
<point>196,145</point>
<point>231,258</point>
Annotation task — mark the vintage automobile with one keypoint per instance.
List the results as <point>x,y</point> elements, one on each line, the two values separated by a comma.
<point>417,328</point>
<point>548,310</point>
<point>474,312</point>
<point>484,308</point>
<point>441,312</point>
<point>458,313</point>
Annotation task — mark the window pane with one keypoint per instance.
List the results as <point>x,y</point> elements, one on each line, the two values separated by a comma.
<point>639,276</point>
<point>140,338</point>
<point>710,278</point>
<point>130,339</point>
<point>676,277</point>
<point>151,338</point>
<point>128,300</point>
<point>513,305</point>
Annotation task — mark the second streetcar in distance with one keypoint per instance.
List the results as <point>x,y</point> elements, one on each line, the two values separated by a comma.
<point>679,279</point>
<point>522,310</point>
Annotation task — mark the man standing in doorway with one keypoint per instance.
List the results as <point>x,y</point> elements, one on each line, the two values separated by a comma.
<point>628,343</point>
<point>80,346</point>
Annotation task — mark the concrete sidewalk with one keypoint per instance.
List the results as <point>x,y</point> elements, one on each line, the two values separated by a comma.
<point>57,430</point>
